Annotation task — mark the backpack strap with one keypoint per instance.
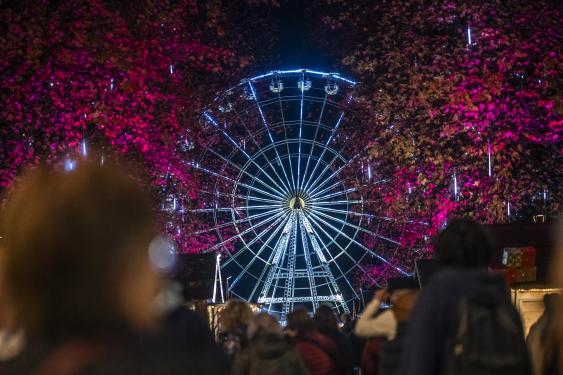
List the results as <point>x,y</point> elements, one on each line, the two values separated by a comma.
<point>75,355</point>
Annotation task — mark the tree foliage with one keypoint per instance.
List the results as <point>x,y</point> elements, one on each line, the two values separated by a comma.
<point>440,103</point>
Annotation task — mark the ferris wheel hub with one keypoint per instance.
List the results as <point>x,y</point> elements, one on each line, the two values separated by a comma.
<point>297,203</point>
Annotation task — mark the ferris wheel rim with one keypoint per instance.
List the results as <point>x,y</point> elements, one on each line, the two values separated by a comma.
<point>339,214</point>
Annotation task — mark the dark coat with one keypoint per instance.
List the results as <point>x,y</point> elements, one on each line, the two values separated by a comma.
<point>370,363</point>
<point>268,354</point>
<point>434,317</point>
<point>391,351</point>
<point>344,354</point>
<point>190,331</point>
<point>318,353</point>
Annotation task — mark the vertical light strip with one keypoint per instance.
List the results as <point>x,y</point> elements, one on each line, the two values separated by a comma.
<point>490,163</point>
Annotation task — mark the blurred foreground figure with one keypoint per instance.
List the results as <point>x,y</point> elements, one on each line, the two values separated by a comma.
<point>12,338</point>
<point>552,340</point>
<point>463,322</point>
<point>79,274</point>
<point>540,338</point>
<point>267,352</point>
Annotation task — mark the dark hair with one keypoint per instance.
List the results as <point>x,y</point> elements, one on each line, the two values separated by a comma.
<point>464,243</point>
<point>70,239</point>
<point>236,315</point>
<point>326,320</point>
<point>300,321</point>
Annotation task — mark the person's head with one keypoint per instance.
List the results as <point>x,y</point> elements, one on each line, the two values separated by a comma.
<point>464,243</point>
<point>402,303</point>
<point>237,314</point>
<point>402,295</point>
<point>299,323</point>
<point>345,318</point>
<point>264,324</point>
<point>76,251</point>
<point>325,319</point>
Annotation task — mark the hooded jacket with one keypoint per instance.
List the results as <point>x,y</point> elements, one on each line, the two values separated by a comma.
<point>434,317</point>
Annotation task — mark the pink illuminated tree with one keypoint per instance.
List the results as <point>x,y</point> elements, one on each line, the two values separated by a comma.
<point>92,79</point>
<point>464,101</point>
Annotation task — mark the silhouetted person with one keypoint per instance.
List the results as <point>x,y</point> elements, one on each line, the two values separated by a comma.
<point>186,329</point>
<point>387,330</point>
<point>12,339</point>
<point>552,359</point>
<point>233,325</point>
<point>464,320</point>
<point>542,352</point>
<point>317,351</point>
<point>267,352</point>
<point>79,274</point>
<point>347,324</point>
<point>391,348</point>
<point>328,326</point>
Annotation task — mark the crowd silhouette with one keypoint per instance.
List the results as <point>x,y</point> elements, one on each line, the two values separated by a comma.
<point>78,295</point>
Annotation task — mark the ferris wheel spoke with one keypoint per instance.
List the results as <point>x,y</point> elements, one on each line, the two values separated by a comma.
<point>361,229</point>
<point>293,184</point>
<point>239,235</point>
<point>257,255</point>
<point>265,123</point>
<point>249,197</point>
<point>334,158</point>
<point>314,139</point>
<point>316,185</point>
<point>338,182</point>
<point>238,221</point>
<point>222,194</point>
<point>233,257</point>
<point>342,251</point>
<point>318,193</point>
<point>261,207</point>
<point>331,195</point>
<point>257,144</point>
<point>378,256</point>
<point>250,187</point>
<point>354,213</point>
<point>338,202</point>
<point>258,199</point>
<point>333,132</point>
<point>218,175</point>
<point>212,121</point>
<point>275,190</point>
<point>300,129</point>
<point>385,218</point>
<point>272,254</point>
<point>333,260</point>
<point>307,232</point>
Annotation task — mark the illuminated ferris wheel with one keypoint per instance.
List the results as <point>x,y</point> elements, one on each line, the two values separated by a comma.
<point>281,196</point>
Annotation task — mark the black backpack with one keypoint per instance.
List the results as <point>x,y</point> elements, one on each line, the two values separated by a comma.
<point>487,340</point>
